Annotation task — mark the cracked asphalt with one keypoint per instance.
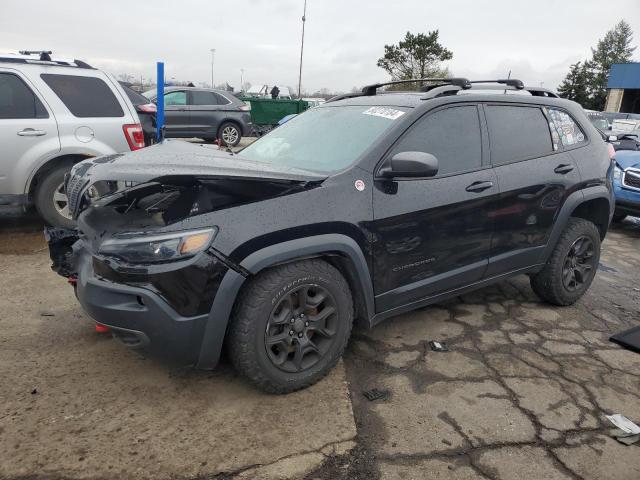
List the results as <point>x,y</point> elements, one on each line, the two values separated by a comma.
<point>521,393</point>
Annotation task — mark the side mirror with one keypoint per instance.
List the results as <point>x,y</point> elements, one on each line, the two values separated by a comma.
<point>612,138</point>
<point>411,165</point>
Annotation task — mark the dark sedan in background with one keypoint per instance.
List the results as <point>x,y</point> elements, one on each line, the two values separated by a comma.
<point>204,113</point>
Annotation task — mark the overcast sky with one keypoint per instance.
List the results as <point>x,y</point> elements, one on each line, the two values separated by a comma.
<point>537,40</point>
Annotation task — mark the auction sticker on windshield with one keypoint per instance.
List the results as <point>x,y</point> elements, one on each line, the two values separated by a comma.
<point>390,113</point>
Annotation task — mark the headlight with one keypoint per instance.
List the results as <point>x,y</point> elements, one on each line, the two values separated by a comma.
<point>158,248</point>
<point>617,172</point>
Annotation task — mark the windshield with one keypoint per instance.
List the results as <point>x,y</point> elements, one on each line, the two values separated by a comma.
<point>600,123</point>
<point>326,139</point>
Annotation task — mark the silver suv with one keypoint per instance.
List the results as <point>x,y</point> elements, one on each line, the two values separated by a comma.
<point>54,113</point>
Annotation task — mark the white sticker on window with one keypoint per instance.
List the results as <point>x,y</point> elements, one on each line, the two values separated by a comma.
<point>390,113</point>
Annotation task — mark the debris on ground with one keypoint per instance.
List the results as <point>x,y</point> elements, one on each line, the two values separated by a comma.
<point>628,433</point>
<point>376,394</point>
<point>47,314</point>
<point>438,346</point>
<point>34,391</point>
<point>628,339</point>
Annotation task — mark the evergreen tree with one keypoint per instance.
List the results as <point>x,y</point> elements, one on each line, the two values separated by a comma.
<point>586,82</point>
<point>615,47</point>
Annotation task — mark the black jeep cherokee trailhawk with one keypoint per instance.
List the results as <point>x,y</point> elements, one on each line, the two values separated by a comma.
<point>369,206</point>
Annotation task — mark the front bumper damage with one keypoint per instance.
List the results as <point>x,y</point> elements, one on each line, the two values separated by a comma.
<point>164,313</point>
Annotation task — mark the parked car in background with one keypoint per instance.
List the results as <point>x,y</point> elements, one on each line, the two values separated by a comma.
<point>369,206</point>
<point>53,114</point>
<point>598,120</point>
<point>204,113</point>
<point>146,111</point>
<point>626,184</point>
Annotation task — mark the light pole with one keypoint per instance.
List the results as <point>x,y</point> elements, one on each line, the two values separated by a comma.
<point>213,53</point>
<point>241,79</point>
<point>304,19</point>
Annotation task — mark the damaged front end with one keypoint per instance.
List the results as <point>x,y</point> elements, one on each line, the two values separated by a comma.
<point>143,259</point>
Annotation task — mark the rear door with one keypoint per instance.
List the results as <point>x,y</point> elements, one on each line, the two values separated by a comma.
<point>205,112</point>
<point>28,131</point>
<point>433,234</point>
<point>535,173</point>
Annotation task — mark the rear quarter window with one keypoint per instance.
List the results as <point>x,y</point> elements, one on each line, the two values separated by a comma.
<point>84,96</point>
<point>564,128</point>
<point>517,133</point>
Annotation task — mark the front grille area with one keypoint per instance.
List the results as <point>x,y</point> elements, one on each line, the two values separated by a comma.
<point>632,179</point>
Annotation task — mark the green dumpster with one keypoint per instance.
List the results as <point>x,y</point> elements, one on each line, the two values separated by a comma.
<point>267,112</point>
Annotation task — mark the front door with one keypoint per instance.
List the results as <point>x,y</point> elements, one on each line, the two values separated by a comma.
<point>433,235</point>
<point>28,132</point>
<point>177,119</point>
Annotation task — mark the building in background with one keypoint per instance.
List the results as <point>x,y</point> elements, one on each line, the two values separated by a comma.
<point>624,88</point>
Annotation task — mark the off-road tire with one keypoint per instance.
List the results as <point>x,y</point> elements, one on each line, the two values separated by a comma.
<point>246,336</point>
<point>44,201</point>
<point>547,283</point>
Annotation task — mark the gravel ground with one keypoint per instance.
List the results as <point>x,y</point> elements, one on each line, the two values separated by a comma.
<point>522,393</point>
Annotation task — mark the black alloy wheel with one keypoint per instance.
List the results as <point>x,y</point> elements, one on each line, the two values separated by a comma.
<point>578,264</point>
<point>301,328</point>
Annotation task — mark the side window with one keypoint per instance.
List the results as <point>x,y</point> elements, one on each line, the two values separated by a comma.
<point>452,135</point>
<point>84,96</point>
<point>222,100</point>
<point>517,133</point>
<point>564,128</point>
<point>203,98</point>
<point>175,98</point>
<point>17,100</point>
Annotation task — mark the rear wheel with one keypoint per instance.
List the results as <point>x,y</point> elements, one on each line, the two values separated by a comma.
<point>291,325</point>
<point>230,134</point>
<point>572,266</point>
<point>50,199</point>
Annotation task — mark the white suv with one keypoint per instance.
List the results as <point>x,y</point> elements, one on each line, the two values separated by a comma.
<point>53,114</point>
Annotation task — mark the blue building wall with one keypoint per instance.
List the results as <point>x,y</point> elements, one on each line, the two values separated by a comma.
<point>625,76</point>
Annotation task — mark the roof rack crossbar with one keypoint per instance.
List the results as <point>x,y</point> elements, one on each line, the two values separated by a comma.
<point>511,82</point>
<point>461,82</point>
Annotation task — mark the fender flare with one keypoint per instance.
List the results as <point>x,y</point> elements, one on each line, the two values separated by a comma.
<point>571,203</point>
<point>232,282</point>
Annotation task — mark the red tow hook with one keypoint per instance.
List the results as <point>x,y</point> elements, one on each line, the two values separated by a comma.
<point>73,281</point>
<point>102,328</point>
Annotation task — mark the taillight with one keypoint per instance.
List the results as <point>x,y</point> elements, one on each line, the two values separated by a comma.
<point>133,134</point>
<point>147,108</point>
<point>611,151</point>
<point>246,107</point>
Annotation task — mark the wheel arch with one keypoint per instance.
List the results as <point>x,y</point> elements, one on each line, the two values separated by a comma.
<point>593,203</point>
<point>339,250</point>
<point>42,170</point>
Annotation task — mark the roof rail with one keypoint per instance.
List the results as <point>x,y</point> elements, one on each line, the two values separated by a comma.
<point>509,84</point>
<point>41,57</point>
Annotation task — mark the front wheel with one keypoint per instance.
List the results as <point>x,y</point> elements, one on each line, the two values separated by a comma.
<point>291,325</point>
<point>572,266</point>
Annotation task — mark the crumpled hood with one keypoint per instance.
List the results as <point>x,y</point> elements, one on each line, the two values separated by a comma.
<point>628,159</point>
<point>178,158</point>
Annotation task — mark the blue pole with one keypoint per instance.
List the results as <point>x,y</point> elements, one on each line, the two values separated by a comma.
<point>160,102</point>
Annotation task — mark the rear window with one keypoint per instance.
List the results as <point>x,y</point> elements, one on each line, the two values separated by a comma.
<point>517,133</point>
<point>17,100</point>
<point>84,96</point>
<point>134,96</point>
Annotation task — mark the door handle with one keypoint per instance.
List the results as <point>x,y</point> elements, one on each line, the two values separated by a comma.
<point>477,187</point>
<point>563,168</point>
<point>30,132</point>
